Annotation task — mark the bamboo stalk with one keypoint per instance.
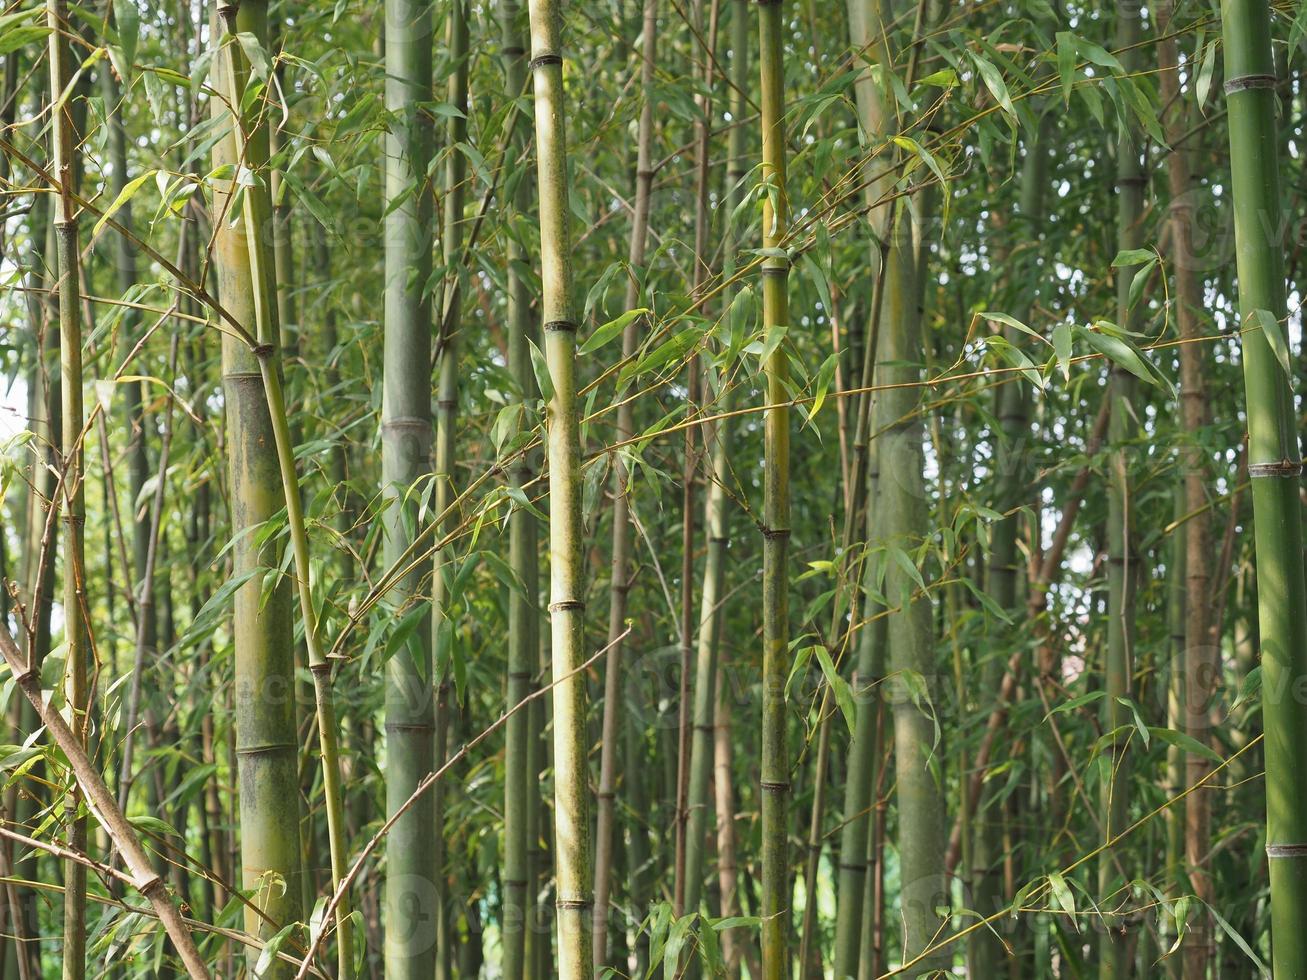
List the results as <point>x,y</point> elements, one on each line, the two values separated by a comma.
<point>1198,655</point>
<point>443,626</point>
<point>620,584</point>
<point>574,897</point>
<point>1274,465</point>
<point>266,744</point>
<point>65,142</point>
<point>411,899</point>
<point>523,616</point>
<point>1122,562</point>
<point>775,783</point>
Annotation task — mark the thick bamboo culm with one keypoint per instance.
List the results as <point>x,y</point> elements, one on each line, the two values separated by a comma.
<point>1274,465</point>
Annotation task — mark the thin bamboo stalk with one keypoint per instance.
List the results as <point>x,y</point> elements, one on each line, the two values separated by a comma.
<point>65,142</point>
<point>443,625</point>
<point>523,615</point>
<point>411,899</point>
<point>619,584</point>
<point>574,897</point>
<point>1274,465</point>
<point>102,805</point>
<point>1123,562</point>
<point>1199,656</point>
<point>775,783</point>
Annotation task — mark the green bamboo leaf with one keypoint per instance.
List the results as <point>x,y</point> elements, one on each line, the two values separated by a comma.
<point>1077,702</point>
<point>1203,85</point>
<point>1010,321</point>
<point>1121,351</point>
<point>838,685</point>
<point>126,194</point>
<point>1066,64</point>
<point>606,332</point>
<point>268,957</point>
<point>1133,256</point>
<point>541,368</point>
<point>1275,338</point>
<point>1140,280</point>
<point>1063,896</point>
<point>1062,348</point>
<point>1186,743</point>
<point>993,80</point>
<point>127,19</point>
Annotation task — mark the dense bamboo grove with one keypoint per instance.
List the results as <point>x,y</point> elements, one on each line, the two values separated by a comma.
<point>700,488</point>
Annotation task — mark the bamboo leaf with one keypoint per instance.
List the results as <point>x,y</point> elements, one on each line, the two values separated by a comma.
<point>1062,348</point>
<point>1203,84</point>
<point>838,685</point>
<point>541,368</point>
<point>993,80</point>
<point>1275,338</point>
<point>128,21</point>
<point>1186,743</point>
<point>1076,702</point>
<point>1063,896</point>
<point>126,194</point>
<point>606,332</point>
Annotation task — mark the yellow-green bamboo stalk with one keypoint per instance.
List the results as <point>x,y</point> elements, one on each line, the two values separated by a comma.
<point>566,572</point>
<point>68,265</point>
<point>619,583</point>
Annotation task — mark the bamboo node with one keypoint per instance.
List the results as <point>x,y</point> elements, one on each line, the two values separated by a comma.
<point>262,351</point>
<point>1286,850</point>
<point>540,61</point>
<point>566,326</point>
<point>774,533</point>
<point>1242,82</point>
<point>573,903</point>
<point>567,605</point>
<point>771,786</point>
<point>1283,467</point>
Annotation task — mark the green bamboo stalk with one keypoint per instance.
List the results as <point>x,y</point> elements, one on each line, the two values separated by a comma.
<point>574,897</point>
<point>523,617</point>
<point>1122,561</point>
<point>411,898</point>
<point>776,502</point>
<point>445,494</point>
<point>985,950</point>
<point>1274,465</point>
<point>251,17</point>
<point>620,584</point>
<point>68,264</point>
<point>704,751</point>
<point>705,690</point>
<point>733,943</point>
<point>266,743</point>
